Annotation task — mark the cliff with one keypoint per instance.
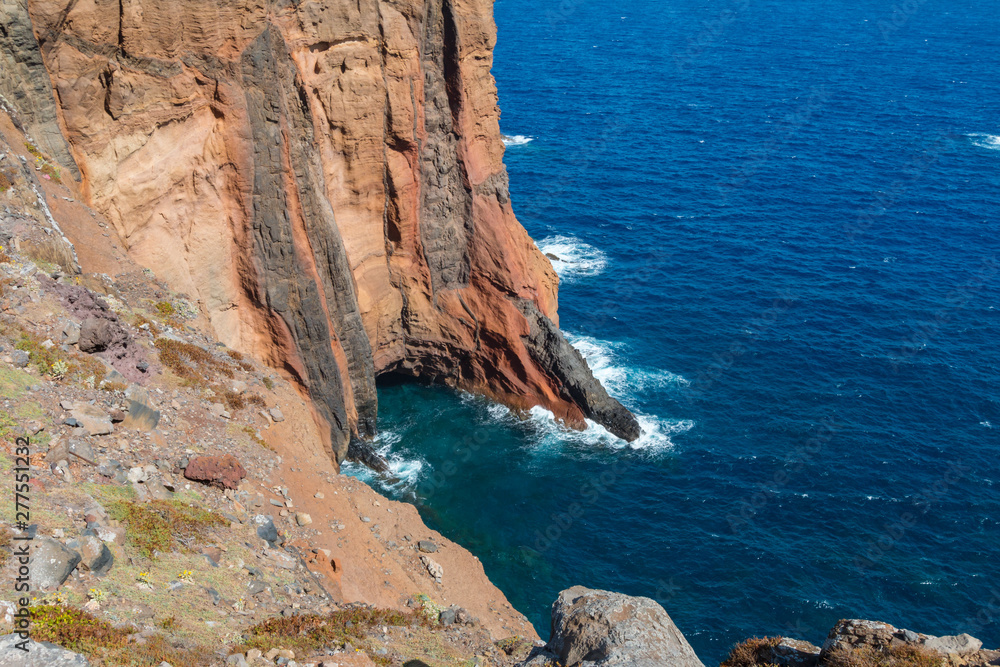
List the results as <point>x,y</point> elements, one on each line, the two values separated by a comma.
<point>323,179</point>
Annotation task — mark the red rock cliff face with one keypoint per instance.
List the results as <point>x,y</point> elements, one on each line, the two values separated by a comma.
<point>324,178</point>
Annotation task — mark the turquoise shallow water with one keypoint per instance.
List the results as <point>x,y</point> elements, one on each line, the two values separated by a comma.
<point>778,242</point>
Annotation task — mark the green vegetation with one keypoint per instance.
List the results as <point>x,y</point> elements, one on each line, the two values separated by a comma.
<point>165,308</point>
<point>79,631</point>
<point>159,525</point>
<point>51,360</point>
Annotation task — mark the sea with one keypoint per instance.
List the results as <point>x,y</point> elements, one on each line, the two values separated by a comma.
<point>777,228</point>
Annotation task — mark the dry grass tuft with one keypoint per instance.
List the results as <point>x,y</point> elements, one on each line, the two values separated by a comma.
<point>754,652</point>
<point>895,655</point>
<point>312,632</point>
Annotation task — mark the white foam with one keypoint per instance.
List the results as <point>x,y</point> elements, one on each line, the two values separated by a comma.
<point>622,381</point>
<point>516,140</point>
<point>404,472</point>
<point>989,141</point>
<point>655,438</point>
<point>572,258</point>
<point>604,359</point>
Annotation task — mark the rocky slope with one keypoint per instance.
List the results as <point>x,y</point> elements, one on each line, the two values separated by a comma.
<point>323,179</point>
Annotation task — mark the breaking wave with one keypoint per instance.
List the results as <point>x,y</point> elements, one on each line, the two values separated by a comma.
<point>516,140</point>
<point>572,258</point>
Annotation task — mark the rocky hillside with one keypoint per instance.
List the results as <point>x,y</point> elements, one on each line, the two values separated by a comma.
<point>324,180</point>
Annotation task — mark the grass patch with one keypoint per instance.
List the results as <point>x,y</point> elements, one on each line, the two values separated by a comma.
<point>894,655</point>
<point>162,525</point>
<point>13,383</point>
<point>80,631</point>
<point>754,652</point>
<point>313,632</point>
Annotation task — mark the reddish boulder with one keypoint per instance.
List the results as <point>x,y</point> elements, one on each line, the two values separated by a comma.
<point>222,471</point>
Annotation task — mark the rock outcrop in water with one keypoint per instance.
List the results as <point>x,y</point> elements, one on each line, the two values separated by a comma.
<point>325,179</point>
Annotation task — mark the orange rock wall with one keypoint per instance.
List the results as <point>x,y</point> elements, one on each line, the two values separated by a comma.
<point>324,178</point>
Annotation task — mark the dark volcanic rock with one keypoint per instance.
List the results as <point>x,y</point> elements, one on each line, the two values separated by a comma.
<point>98,334</point>
<point>223,471</point>
<point>592,628</point>
<point>553,352</point>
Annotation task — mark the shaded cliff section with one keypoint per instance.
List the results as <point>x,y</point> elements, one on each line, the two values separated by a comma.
<point>325,179</point>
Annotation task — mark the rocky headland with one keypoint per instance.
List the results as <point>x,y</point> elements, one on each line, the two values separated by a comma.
<point>220,222</point>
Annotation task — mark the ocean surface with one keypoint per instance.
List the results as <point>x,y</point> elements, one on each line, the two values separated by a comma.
<point>776,226</point>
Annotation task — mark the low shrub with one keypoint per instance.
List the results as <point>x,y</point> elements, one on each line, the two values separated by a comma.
<point>160,525</point>
<point>310,632</point>
<point>895,655</point>
<point>80,631</point>
<point>754,652</point>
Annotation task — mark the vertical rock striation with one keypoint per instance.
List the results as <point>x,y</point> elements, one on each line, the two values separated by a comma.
<point>325,178</point>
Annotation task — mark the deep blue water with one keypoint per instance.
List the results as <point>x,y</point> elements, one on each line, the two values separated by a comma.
<point>777,225</point>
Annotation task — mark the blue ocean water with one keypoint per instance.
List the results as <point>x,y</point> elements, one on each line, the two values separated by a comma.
<point>777,231</point>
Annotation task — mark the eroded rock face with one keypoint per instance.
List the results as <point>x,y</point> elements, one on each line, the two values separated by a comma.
<point>324,177</point>
<point>592,628</point>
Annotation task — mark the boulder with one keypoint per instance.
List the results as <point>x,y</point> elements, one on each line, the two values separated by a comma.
<point>222,471</point>
<point>266,530</point>
<point>39,654</point>
<point>20,358</point>
<point>963,643</point>
<point>277,415</point>
<point>592,628</point>
<point>51,563</point>
<point>71,333</point>
<point>97,334</point>
<point>433,568</point>
<point>96,556</point>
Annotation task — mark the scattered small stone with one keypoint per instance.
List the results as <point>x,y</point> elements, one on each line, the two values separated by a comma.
<point>433,568</point>
<point>276,415</point>
<point>303,519</point>
<point>427,546</point>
